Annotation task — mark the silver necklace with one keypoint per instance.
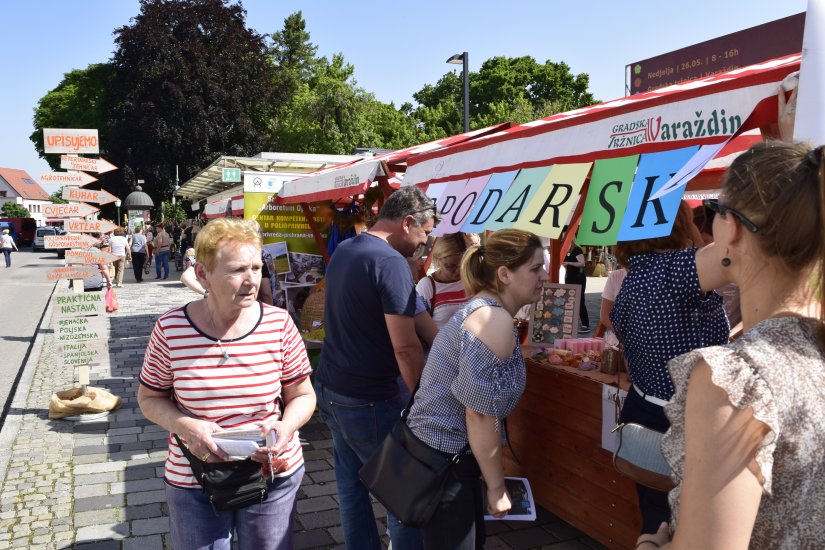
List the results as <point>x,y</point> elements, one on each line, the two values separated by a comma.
<point>215,328</point>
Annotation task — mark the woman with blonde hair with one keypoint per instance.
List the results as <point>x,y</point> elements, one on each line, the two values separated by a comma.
<point>473,378</point>
<point>228,361</point>
<point>746,440</point>
<point>442,290</point>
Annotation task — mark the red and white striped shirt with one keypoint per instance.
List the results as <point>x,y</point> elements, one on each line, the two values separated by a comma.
<point>239,391</point>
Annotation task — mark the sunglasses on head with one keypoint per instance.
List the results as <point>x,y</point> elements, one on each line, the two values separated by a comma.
<point>722,210</point>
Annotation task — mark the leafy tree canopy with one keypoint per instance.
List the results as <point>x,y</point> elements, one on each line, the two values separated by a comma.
<point>505,88</point>
<point>76,102</point>
<point>57,197</point>
<point>191,83</point>
<point>14,210</point>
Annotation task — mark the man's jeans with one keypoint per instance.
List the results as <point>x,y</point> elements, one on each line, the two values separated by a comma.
<point>162,260</point>
<point>358,426</point>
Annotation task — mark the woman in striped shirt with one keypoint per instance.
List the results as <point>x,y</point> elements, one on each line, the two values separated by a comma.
<point>228,361</point>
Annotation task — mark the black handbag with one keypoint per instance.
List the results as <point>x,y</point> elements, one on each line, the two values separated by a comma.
<point>408,476</point>
<point>230,485</point>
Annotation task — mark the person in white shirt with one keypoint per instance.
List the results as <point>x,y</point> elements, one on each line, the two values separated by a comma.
<point>119,246</point>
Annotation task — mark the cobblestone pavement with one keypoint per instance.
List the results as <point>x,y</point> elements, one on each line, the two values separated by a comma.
<point>98,484</point>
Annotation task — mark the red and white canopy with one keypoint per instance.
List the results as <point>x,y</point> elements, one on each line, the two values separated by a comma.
<point>354,178</point>
<point>221,207</point>
<point>699,112</point>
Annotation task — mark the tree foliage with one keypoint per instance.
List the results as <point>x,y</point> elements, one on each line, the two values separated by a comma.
<point>57,197</point>
<point>517,89</point>
<point>14,210</point>
<point>76,102</point>
<point>328,112</point>
<point>191,83</point>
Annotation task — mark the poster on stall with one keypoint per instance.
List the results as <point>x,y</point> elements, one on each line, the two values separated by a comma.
<point>556,314</point>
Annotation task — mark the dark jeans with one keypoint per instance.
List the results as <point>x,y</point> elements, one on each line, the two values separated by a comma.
<point>580,280</point>
<point>652,503</point>
<point>458,523</point>
<point>358,427</point>
<point>7,254</point>
<point>138,261</point>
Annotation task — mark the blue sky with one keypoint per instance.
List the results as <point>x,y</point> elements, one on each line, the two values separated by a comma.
<point>395,47</point>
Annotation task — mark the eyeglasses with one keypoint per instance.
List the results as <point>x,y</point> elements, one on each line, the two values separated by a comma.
<point>433,208</point>
<point>722,210</point>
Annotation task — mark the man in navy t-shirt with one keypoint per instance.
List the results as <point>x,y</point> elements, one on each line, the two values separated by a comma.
<point>369,340</point>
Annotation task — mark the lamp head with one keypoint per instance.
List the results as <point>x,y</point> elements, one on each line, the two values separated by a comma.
<point>456,59</point>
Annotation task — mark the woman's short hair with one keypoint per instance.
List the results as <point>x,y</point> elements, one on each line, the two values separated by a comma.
<point>684,234</point>
<point>451,244</point>
<point>510,248</point>
<point>118,231</point>
<point>223,229</point>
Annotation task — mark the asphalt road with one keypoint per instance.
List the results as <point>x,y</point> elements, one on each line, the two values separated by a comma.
<point>24,294</point>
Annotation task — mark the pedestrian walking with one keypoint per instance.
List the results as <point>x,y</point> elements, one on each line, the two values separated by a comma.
<point>7,244</point>
<point>370,338</point>
<point>138,252</point>
<point>162,246</point>
<point>119,246</point>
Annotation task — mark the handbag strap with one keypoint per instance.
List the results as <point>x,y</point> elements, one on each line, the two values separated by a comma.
<point>406,412</point>
<point>185,450</point>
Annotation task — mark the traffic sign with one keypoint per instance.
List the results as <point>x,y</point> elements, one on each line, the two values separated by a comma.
<point>232,175</point>
<point>70,210</point>
<point>67,178</point>
<point>70,140</point>
<point>74,329</point>
<point>72,272</point>
<point>100,165</point>
<point>88,195</point>
<point>68,241</point>
<point>88,226</point>
<point>75,304</point>
<point>89,257</point>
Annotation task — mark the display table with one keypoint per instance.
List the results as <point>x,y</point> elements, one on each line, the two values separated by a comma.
<point>556,431</point>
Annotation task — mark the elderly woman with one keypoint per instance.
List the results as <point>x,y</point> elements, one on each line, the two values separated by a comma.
<point>228,361</point>
<point>7,244</point>
<point>443,291</point>
<point>474,377</point>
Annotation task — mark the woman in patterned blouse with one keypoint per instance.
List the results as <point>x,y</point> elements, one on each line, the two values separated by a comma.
<point>747,435</point>
<point>474,377</point>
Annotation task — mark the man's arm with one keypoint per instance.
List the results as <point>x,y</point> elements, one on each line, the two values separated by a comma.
<point>407,348</point>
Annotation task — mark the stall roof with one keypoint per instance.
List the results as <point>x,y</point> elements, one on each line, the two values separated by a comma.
<point>208,182</point>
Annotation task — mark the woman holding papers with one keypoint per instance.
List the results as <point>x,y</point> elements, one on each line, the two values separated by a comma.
<point>474,378</point>
<point>227,362</point>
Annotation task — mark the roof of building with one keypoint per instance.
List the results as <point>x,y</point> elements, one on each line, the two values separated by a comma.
<point>25,185</point>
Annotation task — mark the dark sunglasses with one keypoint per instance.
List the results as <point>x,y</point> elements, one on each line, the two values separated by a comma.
<point>722,210</point>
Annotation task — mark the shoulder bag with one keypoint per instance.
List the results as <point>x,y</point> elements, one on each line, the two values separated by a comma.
<point>229,485</point>
<point>408,476</point>
<point>638,454</point>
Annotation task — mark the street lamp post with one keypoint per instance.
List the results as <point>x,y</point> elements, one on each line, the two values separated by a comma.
<point>117,204</point>
<point>463,58</point>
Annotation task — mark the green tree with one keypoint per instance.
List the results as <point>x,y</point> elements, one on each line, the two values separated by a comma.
<point>76,102</point>
<point>173,212</point>
<point>517,89</point>
<point>57,197</point>
<point>14,210</point>
<point>192,82</point>
<point>327,111</point>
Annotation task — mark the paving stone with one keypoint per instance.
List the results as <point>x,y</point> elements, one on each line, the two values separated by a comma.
<point>142,512</point>
<point>145,497</point>
<point>324,518</point>
<point>98,545</point>
<point>316,504</point>
<point>107,502</point>
<point>317,538</point>
<point>150,526</point>
<point>318,489</point>
<point>154,542</point>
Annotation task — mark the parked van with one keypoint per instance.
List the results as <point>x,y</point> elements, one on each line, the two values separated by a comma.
<point>24,227</point>
<point>40,242</point>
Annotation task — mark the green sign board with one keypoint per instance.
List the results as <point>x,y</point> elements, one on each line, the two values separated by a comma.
<point>232,175</point>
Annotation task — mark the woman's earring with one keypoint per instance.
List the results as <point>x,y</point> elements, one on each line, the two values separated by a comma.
<point>726,260</point>
<point>206,291</point>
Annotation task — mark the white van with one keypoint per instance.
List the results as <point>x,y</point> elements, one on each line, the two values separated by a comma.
<point>39,241</point>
